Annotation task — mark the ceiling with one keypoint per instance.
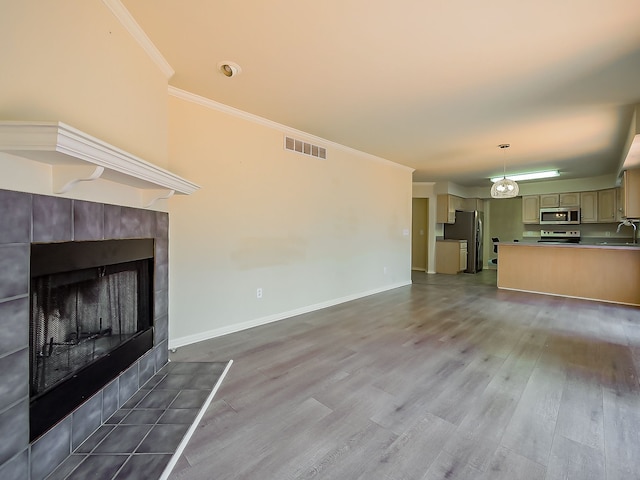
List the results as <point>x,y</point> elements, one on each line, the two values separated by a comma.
<point>432,84</point>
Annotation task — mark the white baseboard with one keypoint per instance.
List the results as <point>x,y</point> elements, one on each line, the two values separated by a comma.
<point>237,327</point>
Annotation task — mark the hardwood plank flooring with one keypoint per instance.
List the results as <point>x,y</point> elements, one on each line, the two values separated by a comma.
<point>449,378</point>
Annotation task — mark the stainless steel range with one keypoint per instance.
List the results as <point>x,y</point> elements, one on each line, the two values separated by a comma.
<point>559,236</point>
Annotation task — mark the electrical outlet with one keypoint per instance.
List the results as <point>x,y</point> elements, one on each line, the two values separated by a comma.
<point>259,293</point>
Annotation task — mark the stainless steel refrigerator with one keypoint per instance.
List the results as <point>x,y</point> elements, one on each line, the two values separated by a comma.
<point>469,227</point>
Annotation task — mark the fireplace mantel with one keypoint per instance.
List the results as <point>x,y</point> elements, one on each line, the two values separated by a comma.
<point>76,157</point>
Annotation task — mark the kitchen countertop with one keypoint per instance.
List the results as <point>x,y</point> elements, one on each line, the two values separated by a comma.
<point>576,245</point>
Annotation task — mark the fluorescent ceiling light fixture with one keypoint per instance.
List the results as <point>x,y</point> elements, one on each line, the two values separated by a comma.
<point>529,176</point>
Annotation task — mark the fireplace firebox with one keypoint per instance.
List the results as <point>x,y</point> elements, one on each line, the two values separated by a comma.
<point>91,307</point>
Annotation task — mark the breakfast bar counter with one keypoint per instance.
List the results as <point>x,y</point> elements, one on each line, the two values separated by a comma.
<point>604,272</point>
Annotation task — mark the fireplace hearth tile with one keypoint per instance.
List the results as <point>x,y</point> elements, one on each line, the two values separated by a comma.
<point>88,221</point>
<point>123,438</point>
<point>161,351</point>
<point>128,384</point>
<point>14,265</point>
<point>117,417</point>
<point>190,399</point>
<point>162,225</point>
<point>86,419</point>
<point>14,325</point>
<point>137,223</point>
<point>98,467</point>
<point>51,219</point>
<point>142,417</point>
<point>163,439</point>
<point>135,399</point>
<point>13,384</point>
<point>15,212</point>
<point>51,449</point>
<point>110,399</point>
<point>143,466</point>
<point>93,441</point>
<point>66,467</point>
<point>147,367</point>
<point>159,399</point>
<point>112,221</point>
<point>179,415</point>
<point>17,467</point>
<point>14,430</point>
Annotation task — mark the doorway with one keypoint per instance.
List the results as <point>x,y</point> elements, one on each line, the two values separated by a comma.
<point>420,234</point>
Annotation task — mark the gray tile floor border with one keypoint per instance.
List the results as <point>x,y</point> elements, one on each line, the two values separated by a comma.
<point>144,440</point>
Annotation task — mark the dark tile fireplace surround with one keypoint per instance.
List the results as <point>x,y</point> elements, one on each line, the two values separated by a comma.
<point>27,218</point>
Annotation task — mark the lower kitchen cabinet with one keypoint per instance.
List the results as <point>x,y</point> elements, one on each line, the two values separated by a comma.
<point>451,256</point>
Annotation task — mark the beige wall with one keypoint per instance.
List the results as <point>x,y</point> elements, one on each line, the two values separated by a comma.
<point>72,61</point>
<point>309,232</point>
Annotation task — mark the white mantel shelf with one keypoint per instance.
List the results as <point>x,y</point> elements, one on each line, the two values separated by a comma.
<point>76,157</point>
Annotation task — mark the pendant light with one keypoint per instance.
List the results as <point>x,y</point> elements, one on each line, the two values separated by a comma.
<point>504,188</point>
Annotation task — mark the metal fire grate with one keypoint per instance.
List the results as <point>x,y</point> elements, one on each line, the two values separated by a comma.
<point>78,317</point>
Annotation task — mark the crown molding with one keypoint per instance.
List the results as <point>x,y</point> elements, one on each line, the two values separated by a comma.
<point>136,31</point>
<point>77,157</point>
<point>220,107</point>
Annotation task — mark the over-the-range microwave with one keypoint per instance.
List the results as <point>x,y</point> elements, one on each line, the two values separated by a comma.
<point>559,216</point>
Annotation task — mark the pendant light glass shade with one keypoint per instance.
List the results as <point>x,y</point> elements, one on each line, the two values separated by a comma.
<point>505,187</point>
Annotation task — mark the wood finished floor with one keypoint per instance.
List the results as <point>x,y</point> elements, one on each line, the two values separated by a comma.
<point>449,378</point>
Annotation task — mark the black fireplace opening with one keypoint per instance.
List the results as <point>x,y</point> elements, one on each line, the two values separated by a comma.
<point>91,316</point>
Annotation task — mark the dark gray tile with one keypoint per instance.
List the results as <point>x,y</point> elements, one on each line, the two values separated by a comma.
<point>162,251</point>
<point>14,265</point>
<point>137,223</point>
<point>175,381</point>
<point>98,467</point>
<point>147,367</point>
<point>142,417</point>
<point>135,399</point>
<point>117,417</point>
<point>161,329</point>
<point>110,399</point>
<point>161,351</point>
<point>14,325</point>
<point>153,381</point>
<point>88,220</point>
<point>162,225</point>
<point>112,214</point>
<point>15,217</point>
<point>163,439</point>
<point>161,278</point>
<point>66,467</point>
<point>128,384</point>
<point>14,381</point>
<point>158,399</point>
<point>17,468</point>
<point>86,419</point>
<point>190,399</point>
<point>144,467</point>
<point>51,449</point>
<point>160,303</point>
<point>123,439</point>
<point>179,415</point>
<point>192,368</point>
<point>51,219</point>
<point>14,430</point>
<point>94,440</point>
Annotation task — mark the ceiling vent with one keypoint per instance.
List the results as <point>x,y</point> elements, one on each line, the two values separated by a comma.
<point>304,148</point>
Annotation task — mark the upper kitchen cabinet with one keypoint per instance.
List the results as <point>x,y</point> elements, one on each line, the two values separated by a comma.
<point>446,208</point>
<point>589,207</point>
<point>471,204</point>
<point>531,209</point>
<point>550,200</point>
<point>607,212</point>
<point>630,194</point>
<point>570,199</point>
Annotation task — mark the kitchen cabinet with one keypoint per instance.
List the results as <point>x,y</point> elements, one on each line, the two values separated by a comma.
<point>471,204</point>
<point>446,208</point>
<point>451,256</point>
<point>530,209</point>
<point>570,199</point>
<point>589,207</point>
<point>607,212</point>
<point>630,194</point>
<point>550,200</point>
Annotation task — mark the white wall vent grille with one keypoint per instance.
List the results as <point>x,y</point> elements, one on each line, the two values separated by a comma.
<point>304,148</point>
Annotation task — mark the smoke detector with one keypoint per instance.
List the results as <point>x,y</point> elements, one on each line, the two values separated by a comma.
<point>229,69</point>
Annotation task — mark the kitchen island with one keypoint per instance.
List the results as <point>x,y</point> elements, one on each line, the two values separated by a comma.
<point>604,272</point>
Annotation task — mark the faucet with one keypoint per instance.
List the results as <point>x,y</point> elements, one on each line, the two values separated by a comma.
<point>628,223</point>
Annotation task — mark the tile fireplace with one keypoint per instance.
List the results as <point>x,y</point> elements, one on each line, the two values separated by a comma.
<point>85,313</point>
